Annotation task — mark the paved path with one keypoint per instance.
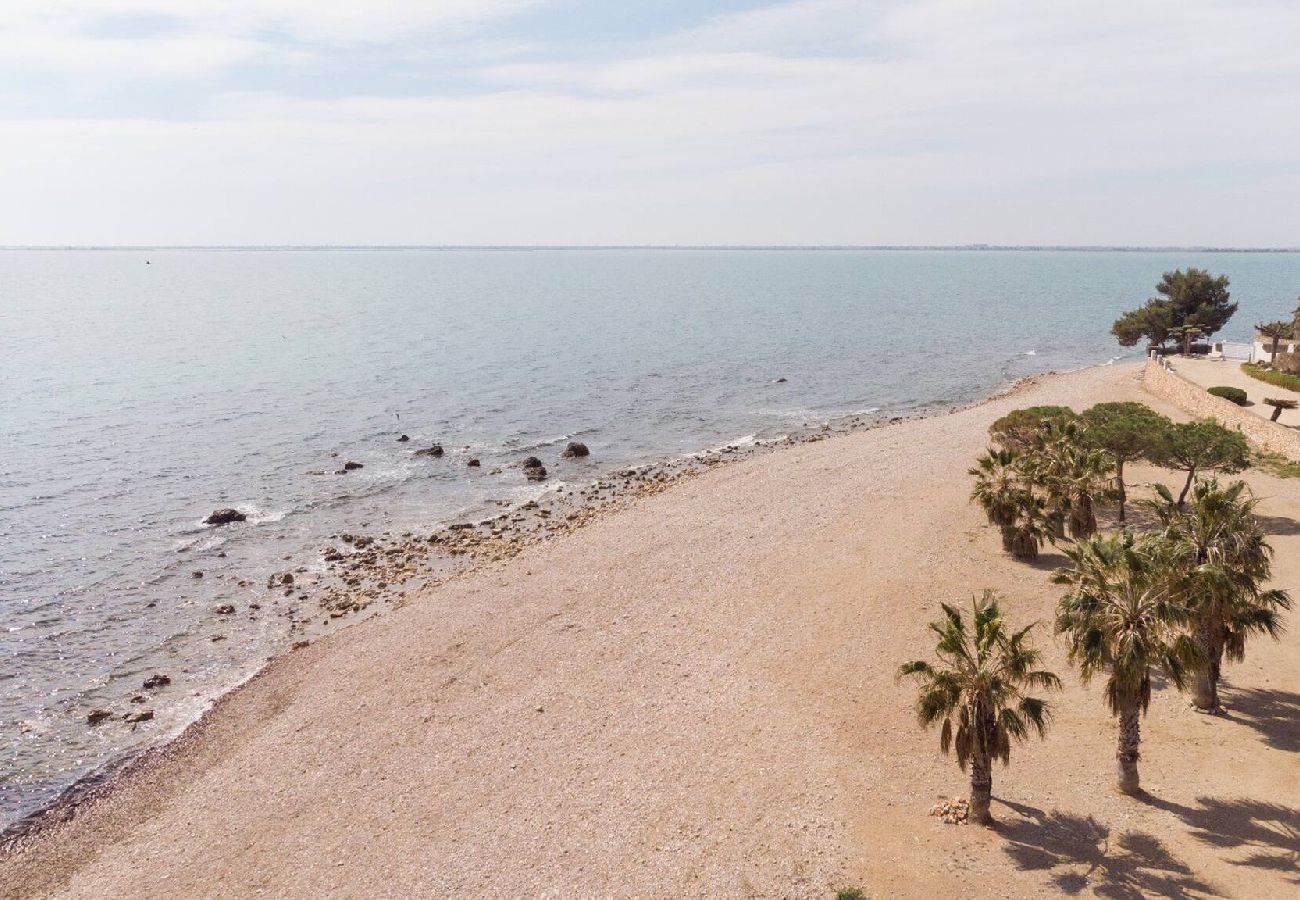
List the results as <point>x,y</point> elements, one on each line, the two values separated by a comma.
<point>1211,372</point>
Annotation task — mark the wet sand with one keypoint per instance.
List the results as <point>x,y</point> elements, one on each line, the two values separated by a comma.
<point>696,696</point>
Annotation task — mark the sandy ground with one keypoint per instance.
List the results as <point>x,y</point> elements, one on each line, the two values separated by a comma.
<point>1211,372</point>
<point>696,697</point>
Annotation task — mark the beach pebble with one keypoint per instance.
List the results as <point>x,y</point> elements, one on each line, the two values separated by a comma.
<point>532,462</point>
<point>351,466</point>
<point>225,609</point>
<point>473,464</point>
<point>403,439</point>
<point>535,473</point>
<point>153,682</point>
<point>143,715</point>
<point>98,715</point>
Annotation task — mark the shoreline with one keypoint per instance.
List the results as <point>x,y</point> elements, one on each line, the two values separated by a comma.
<point>651,478</point>
<point>699,698</point>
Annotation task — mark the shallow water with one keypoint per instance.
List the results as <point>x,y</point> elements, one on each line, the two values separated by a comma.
<point>139,397</point>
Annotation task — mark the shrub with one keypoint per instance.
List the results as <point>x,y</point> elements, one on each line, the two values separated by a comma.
<point>1270,376</point>
<point>1236,395</point>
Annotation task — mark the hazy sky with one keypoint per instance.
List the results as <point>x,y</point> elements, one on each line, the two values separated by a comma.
<point>679,121</point>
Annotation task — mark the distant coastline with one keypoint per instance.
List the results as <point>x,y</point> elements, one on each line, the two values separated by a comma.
<point>1059,248</point>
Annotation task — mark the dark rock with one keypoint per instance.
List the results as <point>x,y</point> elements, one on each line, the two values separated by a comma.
<point>535,473</point>
<point>575,450</point>
<point>532,462</point>
<point>153,682</point>
<point>196,574</point>
<point>225,517</point>
<point>139,698</point>
<point>225,609</point>
<point>403,439</point>
<point>143,715</point>
<point>352,466</point>
<point>98,715</point>
<point>780,381</point>
<point>435,451</point>
<point>473,464</point>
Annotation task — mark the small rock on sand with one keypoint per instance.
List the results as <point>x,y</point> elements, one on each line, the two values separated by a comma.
<point>575,450</point>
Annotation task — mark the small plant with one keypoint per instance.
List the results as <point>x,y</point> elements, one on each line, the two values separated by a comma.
<point>1236,395</point>
<point>850,894</point>
<point>1276,464</point>
<point>1278,405</point>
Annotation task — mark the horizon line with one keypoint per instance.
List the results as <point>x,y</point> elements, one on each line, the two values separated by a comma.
<point>1089,248</point>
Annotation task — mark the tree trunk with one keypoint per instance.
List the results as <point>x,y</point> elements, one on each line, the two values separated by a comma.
<point>1126,754</point>
<point>1083,523</point>
<point>1182,498</point>
<point>1277,412</point>
<point>1119,488</point>
<point>981,787</point>
<point>1205,689</point>
<point>1008,538</point>
<point>1272,357</point>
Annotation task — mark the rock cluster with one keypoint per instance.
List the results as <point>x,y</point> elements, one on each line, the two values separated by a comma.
<point>534,470</point>
<point>435,451</point>
<point>952,812</point>
<point>225,517</point>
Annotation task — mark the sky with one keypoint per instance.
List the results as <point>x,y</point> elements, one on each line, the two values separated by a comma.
<point>1095,122</point>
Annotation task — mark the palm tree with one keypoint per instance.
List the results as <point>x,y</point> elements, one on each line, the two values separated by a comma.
<point>977,693</point>
<point>1071,474</point>
<point>1276,331</point>
<point>1224,559</point>
<point>1033,527</point>
<point>998,490</point>
<point>1120,618</point>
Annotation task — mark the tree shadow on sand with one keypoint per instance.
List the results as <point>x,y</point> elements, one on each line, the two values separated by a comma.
<point>1278,524</point>
<point>1079,853</point>
<point>1267,835</point>
<point>1274,714</point>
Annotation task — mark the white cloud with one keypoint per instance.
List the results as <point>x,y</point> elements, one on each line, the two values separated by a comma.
<point>928,121</point>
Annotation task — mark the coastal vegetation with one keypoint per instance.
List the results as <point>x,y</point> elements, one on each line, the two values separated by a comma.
<point>1219,562</point>
<point>1191,304</point>
<point>1233,394</point>
<point>1176,598</point>
<point>1121,618</point>
<point>977,692</point>
<point>1261,372</point>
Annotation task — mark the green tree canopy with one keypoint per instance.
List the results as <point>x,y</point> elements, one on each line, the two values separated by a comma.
<point>1202,446</point>
<point>1027,429</point>
<point>1187,298</point>
<point>1126,431</point>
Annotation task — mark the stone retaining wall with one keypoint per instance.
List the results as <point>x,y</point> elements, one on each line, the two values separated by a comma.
<point>1195,400</point>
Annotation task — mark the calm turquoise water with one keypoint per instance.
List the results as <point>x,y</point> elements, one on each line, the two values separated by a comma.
<point>137,398</point>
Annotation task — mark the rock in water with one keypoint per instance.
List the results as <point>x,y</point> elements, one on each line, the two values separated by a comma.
<point>532,462</point>
<point>403,439</point>
<point>225,517</point>
<point>153,682</point>
<point>352,466</point>
<point>435,451</point>
<point>98,715</point>
<point>143,715</point>
<point>535,473</point>
<point>575,450</point>
<point>473,464</point>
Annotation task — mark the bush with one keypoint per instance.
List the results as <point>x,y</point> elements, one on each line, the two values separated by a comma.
<point>1270,376</point>
<point>1236,395</point>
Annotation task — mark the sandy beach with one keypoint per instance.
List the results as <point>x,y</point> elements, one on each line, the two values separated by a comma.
<point>696,696</point>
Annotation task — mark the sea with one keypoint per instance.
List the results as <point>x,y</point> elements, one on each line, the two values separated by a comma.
<point>141,389</point>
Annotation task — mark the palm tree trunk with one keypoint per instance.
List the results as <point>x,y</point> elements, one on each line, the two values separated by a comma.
<point>1119,488</point>
<point>1182,498</point>
<point>981,787</point>
<point>1205,689</point>
<point>1126,754</point>
<point>1008,538</point>
<point>1083,523</point>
